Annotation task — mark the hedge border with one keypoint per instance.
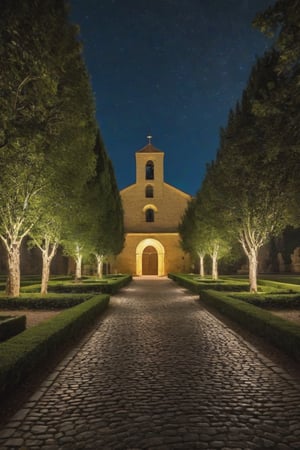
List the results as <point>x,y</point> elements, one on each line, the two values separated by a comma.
<point>293,287</point>
<point>38,302</point>
<point>22,354</point>
<point>275,300</point>
<point>198,286</point>
<point>279,332</point>
<point>11,325</point>
<point>109,285</point>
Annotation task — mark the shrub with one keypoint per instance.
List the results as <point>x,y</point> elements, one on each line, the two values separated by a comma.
<point>288,279</point>
<point>279,299</point>
<point>11,325</point>
<point>279,285</point>
<point>36,301</point>
<point>109,285</point>
<point>23,353</point>
<point>282,333</point>
<point>196,284</point>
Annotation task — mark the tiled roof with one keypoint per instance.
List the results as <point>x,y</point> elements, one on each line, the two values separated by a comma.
<point>149,148</point>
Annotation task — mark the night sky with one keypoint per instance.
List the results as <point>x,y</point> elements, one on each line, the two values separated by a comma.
<point>169,68</point>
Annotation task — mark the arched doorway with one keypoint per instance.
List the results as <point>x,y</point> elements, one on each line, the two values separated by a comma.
<point>150,256</point>
<point>150,261</point>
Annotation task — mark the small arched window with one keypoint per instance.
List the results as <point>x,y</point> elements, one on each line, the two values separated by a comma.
<point>149,191</point>
<point>150,170</point>
<point>149,215</point>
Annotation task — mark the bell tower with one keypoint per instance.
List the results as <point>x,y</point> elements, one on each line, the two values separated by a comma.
<point>150,169</point>
<point>152,211</point>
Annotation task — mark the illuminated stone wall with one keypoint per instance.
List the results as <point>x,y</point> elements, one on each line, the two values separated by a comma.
<point>170,256</point>
<point>168,204</point>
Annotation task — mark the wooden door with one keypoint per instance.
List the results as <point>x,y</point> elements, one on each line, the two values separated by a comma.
<point>150,261</point>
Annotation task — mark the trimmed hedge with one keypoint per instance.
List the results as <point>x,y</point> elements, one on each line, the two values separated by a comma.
<point>279,332</point>
<point>288,279</point>
<point>283,299</point>
<point>36,301</point>
<point>11,325</point>
<point>28,280</point>
<point>279,285</point>
<point>22,354</point>
<point>109,285</point>
<point>196,284</point>
<point>185,281</point>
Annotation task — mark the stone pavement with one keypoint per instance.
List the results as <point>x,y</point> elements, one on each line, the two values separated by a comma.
<point>160,372</point>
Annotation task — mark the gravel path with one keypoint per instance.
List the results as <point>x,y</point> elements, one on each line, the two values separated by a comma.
<point>32,317</point>
<point>160,372</point>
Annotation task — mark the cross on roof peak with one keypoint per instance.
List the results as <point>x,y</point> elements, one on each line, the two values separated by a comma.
<point>149,137</point>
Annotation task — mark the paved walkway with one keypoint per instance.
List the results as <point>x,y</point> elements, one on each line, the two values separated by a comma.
<point>160,372</point>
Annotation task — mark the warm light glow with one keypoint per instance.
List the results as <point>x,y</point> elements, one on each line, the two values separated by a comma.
<point>160,253</point>
<point>150,206</point>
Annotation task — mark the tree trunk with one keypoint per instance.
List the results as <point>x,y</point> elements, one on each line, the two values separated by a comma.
<point>100,259</point>
<point>214,270</point>
<point>45,273</point>
<point>48,254</point>
<point>201,265</point>
<point>253,263</point>
<point>251,248</point>
<point>78,264</point>
<point>14,278</point>
<point>214,259</point>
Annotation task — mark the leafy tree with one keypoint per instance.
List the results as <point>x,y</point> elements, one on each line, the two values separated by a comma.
<point>75,245</point>
<point>279,106</point>
<point>217,248</point>
<point>201,234</point>
<point>47,125</point>
<point>281,21</point>
<point>107,233</point>
<point>216,236</point>
<point>192,236</point>
<point>246,186</point>
<point>287,242</point>
<point>47,235</point>
<point>77,236</point>
<point>98,227</point>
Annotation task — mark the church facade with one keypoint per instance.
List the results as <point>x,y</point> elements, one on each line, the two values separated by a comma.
<point>152,212</point>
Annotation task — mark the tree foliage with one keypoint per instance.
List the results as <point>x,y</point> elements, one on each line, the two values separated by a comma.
<point>47,124</point>
<point>280,108</point>
<point>252,188</point>
<point>201,233</point>
<point>245,187</point>
<point>46,234</point>
<point>97,227</point>
<point>107,233</point>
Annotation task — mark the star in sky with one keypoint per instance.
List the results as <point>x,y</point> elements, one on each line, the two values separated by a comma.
<point>170,67</point>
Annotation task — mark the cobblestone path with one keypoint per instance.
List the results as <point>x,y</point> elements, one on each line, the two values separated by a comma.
<point>160,372</point>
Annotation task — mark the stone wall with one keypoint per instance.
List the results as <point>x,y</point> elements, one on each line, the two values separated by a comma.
<point>169,205</point>
<point>174,259</point>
